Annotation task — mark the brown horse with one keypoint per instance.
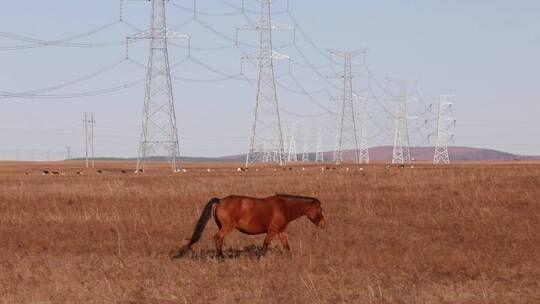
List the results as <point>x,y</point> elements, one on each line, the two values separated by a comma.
<point>249,215</point>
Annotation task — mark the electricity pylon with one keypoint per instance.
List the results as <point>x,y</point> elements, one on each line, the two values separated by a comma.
<point>89,124</point>
<point>363,151</point>
<point>347,136</point>
<point>159,134</point>
<point>444,124</point>
<point>68,153</point>
<point>305,152</point>
<point>266,140</point>
<point>291,151</point>
<point>319,153</point>
<point>401,146</point>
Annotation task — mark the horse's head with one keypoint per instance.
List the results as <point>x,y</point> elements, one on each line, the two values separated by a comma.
<point>314,213</point>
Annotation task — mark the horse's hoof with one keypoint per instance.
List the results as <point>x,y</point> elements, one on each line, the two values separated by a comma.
<point>176,254</point>
<point>173,255</point>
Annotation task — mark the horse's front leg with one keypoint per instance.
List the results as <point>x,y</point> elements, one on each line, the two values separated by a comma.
<point>272,231</point>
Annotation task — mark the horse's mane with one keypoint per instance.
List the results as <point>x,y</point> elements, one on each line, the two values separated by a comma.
<point>298,197</point>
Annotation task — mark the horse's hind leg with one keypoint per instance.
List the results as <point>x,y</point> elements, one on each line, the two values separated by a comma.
<point>284,240</point>
<point>220,236</point>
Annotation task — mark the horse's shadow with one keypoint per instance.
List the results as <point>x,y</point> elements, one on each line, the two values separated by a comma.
<point>250,252</point>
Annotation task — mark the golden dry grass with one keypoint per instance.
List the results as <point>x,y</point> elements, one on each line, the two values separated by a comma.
<point>458,234</point>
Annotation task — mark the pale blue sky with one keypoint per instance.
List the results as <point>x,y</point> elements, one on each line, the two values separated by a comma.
<point>484,52</point>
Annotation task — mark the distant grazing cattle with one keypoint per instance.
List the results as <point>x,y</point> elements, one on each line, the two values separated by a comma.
<point>79,173</point>
<point>124,171</point>
<point>99,171</point>
<point>46,172</point>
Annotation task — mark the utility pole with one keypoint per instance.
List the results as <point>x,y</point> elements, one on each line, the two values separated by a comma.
<point>266,140</point>
<point>89,124</point>
<point>305,152</point>
<point>401,146</point>
<point>444,125</point>
<point>347,136</point>
<point>159,133</point>
<point>319,153</point>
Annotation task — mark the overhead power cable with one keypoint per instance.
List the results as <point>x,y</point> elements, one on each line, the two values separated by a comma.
<point>196,11</point>
<point>245,10</point>
<point>90,93</point>
<point>69,82</point>
<point>63,42</point>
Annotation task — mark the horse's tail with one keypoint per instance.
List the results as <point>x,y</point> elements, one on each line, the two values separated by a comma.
<point>199,228</point>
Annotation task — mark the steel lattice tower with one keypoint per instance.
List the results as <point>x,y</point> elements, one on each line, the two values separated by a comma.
<point>319,154</point>
<point>89,124</point>
<point>347,136</point>
<point>401,147</point>
<point>363,152</point>
<point>305,152</point>
<point>159,134</point>
<point>266,140</point>
<point>444,135</point>
<point>291,148</point>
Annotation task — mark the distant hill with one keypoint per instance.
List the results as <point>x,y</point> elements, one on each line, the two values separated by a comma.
<point>381,153</point>
<point>457,153</point>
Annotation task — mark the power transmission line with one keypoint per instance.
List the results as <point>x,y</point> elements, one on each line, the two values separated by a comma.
<point>363,151</point>
<point>159,133</point>
<point>305,150</point>
<point>401,146</point>
<point>444,125</point>
<point>266,142</point>
<point>68,153</point>
<point>89,124</point>
<point>347,136</point>
<point>34,93</point>
<point>319,153</point>
<point>291,148</point>
<point>63,42</point>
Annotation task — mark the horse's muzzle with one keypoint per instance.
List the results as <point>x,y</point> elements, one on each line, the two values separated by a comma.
<point>321,224</point>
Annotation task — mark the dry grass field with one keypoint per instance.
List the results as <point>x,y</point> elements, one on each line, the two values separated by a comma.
<point>459,234</point>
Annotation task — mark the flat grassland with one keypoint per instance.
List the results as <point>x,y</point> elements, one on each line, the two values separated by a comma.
<point>466,233</point>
